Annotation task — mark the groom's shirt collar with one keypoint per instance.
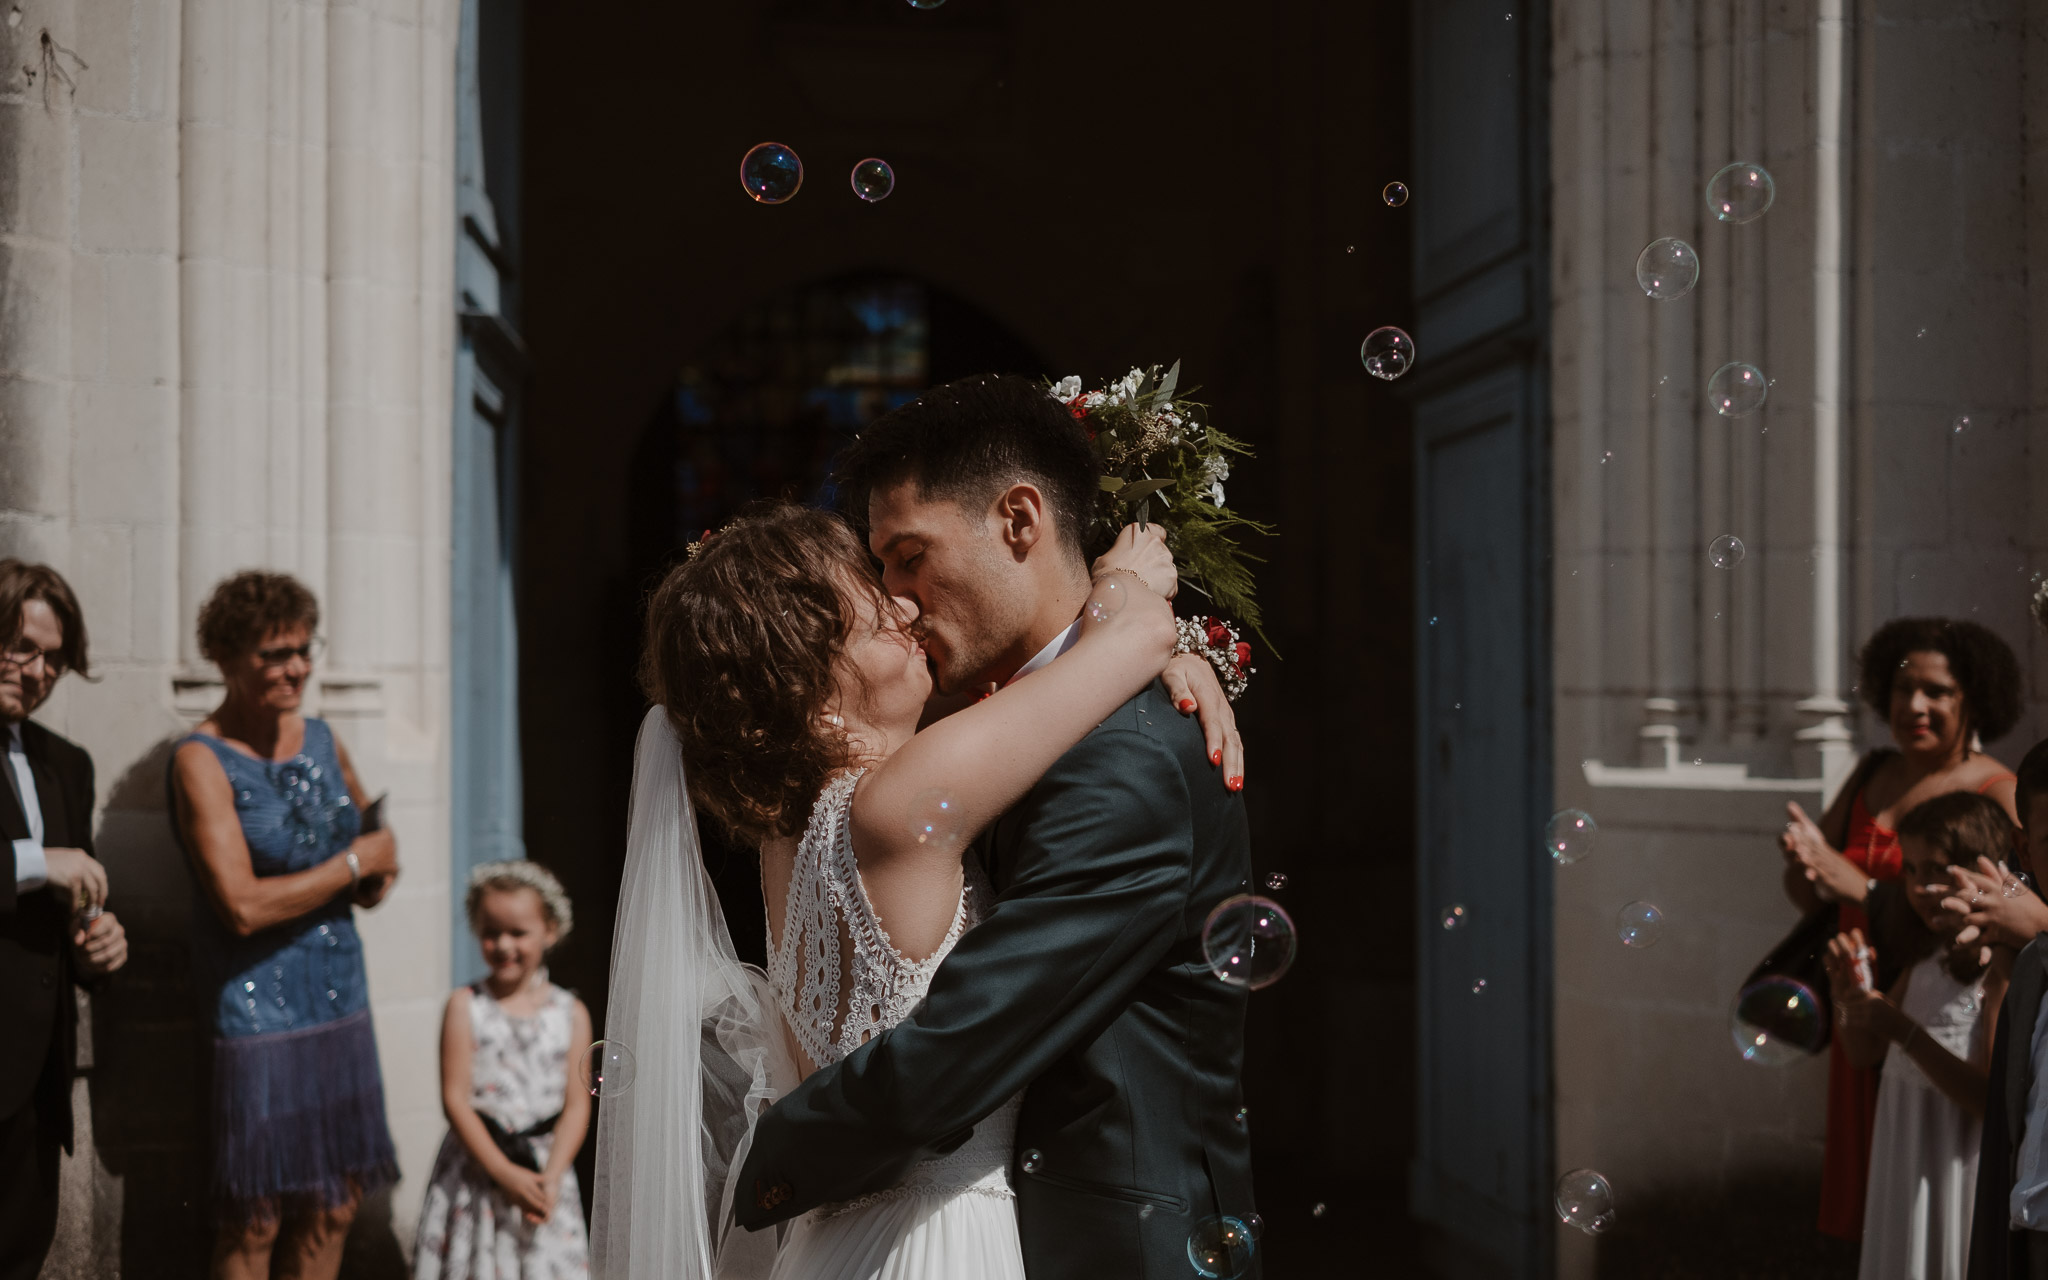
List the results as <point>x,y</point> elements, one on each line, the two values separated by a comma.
<point>1060,644</point>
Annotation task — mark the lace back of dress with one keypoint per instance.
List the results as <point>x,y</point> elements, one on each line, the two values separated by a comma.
<point>838,978</point>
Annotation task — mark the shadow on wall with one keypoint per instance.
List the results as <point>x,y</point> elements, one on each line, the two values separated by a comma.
<point>1752,1228</point>
<point>146,1071</point>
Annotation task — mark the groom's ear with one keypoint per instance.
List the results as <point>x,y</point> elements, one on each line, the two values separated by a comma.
<point>1021,518</point>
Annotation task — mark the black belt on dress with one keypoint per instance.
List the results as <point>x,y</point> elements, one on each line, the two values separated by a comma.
<point>518,1147</point>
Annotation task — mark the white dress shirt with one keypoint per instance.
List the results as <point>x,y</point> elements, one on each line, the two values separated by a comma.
<point>31,868</point>
<point>1060,644</point>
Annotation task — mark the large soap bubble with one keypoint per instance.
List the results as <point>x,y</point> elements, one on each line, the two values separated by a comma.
<point>1584,1200</point>
<point>1570,835</point>
<point>771,173</point>
<point>873,179</point>
<point>1777,1020</point>
<point>1387,352</point>
<point>1667,269</point>
<point>1221,1248</point>
<point>1741,192</point>
<point>1248,941</point>
<point>608,1068</point>
<point>1737,390</point>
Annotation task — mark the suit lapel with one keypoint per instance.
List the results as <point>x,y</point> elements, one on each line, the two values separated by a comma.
<point>49,790</point>
<point>14,818</point>
<point>2023,1004</point>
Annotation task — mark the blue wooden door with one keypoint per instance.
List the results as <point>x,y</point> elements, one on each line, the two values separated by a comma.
<point>1483,1149</point>
<point>490,360</point>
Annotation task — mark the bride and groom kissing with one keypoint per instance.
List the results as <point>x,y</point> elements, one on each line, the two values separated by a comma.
<point>987,1044</point>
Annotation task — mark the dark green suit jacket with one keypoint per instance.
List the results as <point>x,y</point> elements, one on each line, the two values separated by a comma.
<point>1087,984</point>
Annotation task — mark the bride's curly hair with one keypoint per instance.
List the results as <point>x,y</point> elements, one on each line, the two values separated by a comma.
<point>738,650</point>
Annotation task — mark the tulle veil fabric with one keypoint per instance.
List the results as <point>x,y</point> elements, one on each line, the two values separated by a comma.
<point>706,1040</point>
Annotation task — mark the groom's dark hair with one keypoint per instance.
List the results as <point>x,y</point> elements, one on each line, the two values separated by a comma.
<point>970,439</point>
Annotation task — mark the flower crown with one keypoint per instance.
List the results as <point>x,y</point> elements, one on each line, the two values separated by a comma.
<point>1162,460</point>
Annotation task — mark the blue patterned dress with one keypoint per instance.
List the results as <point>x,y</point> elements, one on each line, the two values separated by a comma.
<point>297,1098</point>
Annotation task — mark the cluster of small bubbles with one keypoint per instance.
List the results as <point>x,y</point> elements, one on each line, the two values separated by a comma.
<point>1639,925</point>
<point>1479,986</point>
<point>1741,192</point>
<point>1667,269</point>
<point>1221,1248</point>
<point>1960,425</point>
<point>1249,941</point>
<point>1737,390</point>
<point>1584,1200</point>
<point>1032,1160</point>
<point>1777,1020</point>
<point>934,818</point>
<point>1276,880</point>
<point>1395,194</point>
<point>1108,600</point>
<point>873,179</point>
<point>608,1068</point>
<point>1452,917</point>
<point>1387,352</point>
<point>1570,835</point>
<point>1725,552</point>
<point>771,173</point>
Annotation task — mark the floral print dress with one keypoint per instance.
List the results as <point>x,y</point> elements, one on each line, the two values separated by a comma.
<point>469,1229</point>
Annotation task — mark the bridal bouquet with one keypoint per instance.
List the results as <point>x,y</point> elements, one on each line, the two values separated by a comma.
<point>1162,460</point>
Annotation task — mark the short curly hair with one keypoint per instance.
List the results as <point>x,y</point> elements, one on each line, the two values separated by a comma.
<point>1983,665</point>
<point>248,607</point>
<point>520,873</point>
<point>739,650</point>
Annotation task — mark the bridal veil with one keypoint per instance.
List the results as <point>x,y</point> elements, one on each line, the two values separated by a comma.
<point>701,1027</point>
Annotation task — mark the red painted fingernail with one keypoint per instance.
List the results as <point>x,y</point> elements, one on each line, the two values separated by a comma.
<point>1216,756</point>
<point>1187,704</point>
<point>1237,783</point>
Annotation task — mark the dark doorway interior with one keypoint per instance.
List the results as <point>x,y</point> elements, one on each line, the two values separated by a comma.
<point>1080,188</point>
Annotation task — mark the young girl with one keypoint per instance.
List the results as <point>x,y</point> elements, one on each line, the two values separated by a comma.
<point>503,1203</point>
<point>1933,1032</point>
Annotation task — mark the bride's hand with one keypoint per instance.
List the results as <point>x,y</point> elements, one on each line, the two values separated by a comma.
<point>1192,684</point>
<point>1143,551</point>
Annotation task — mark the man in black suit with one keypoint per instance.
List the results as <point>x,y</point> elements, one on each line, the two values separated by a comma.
<point>1086,987</point>
<point>54,929</point>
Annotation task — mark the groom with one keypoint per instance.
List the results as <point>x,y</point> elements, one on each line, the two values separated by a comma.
<point>1086,985</point>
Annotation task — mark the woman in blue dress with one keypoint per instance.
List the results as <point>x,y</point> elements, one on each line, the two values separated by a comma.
<point>271,817</point>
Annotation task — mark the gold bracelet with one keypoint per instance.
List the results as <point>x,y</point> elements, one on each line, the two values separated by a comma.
<point>1133,572</point>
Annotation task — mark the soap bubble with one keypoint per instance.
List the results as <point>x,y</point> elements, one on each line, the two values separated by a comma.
<point>2014,887</point>
<point>1277,881</point>
<point>1387,352</point>
<point>1319,1210</point>
<point>1256,1225</point>
<point>1452,917</point>
<point>934,819</point>
<point>1395,194</point>
<point>1479,986</point>
<point>1242,1114</point>
<point>1960,425</point>
<point>608,1068</point>
<point>926,4</point>
<point>1741,192</point>
<point>1737,390</point>
<point>1639,925</point>
<point>1777,1020</point>
<point>1032,1160</point>
<point>1584,1200</point>
<point>1668,269</point>
<point>1726,551</point>
<point>1221,1248</point>
<point>1249,941</point>
<point>1569,835</point>
<point>771,173</point>
<point>1107,599</point>
<point>873,179</point>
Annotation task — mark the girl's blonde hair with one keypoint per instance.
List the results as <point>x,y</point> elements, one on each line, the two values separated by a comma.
<point>520,873</point>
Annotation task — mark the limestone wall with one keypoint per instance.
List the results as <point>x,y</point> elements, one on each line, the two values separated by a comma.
<point>1885,294</point>
<point>225,340</point>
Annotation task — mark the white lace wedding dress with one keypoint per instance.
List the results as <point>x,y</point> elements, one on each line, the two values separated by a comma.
<point>839,982</point>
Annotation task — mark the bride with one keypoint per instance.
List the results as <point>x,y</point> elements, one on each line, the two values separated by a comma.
<point>789,691</point>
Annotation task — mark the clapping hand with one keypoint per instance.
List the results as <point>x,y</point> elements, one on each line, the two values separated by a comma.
<point>1833,876</point>
<point>1858,1009</point>
<point>1996,906</point>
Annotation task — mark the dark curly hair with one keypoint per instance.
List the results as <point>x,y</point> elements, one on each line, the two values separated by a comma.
<point>1983,665</point>
<point>249,607</point>
<point>738,650</point>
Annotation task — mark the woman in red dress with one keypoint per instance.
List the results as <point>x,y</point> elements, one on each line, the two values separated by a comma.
<point>1945,688</point>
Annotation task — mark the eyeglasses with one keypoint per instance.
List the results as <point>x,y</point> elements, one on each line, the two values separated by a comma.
<point>23,654</point>
<point>281,655</point>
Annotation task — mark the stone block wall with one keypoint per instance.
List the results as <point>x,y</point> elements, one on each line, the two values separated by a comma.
<point>226,335</point>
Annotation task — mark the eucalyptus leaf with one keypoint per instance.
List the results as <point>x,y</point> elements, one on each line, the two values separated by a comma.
<point>1140,490</point>
<point>1169,382</point>
<point>1110,484</point>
